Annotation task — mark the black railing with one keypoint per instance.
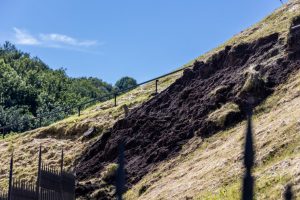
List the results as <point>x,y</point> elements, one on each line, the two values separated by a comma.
<point>39,119</point>
<point>51,184</point>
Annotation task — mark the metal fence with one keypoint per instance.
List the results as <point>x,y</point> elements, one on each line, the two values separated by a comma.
<point>69,109</point>
<point>3,196</point>
<point>52,184</point>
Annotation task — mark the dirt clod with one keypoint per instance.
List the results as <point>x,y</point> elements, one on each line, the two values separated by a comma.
<point>157,130</point>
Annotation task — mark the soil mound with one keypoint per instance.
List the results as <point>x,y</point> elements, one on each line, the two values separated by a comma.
<point>207,98</point>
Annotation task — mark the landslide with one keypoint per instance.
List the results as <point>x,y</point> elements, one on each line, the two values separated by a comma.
<point>211,96</point>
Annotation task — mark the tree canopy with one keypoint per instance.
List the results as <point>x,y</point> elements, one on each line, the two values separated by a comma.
<point>125,83</point>
<point>28,88</point>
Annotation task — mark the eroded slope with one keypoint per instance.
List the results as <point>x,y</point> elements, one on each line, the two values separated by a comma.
<point>214,170</point>
<point>210,97</point>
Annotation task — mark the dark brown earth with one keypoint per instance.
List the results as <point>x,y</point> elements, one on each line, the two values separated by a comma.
<point>157,130</point>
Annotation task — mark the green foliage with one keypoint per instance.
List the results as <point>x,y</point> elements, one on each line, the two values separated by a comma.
<point>125,83</point>
<point>28,88</point>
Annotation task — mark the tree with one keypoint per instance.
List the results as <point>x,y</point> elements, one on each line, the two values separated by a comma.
<point>28,88</point>
<point>125,83</point>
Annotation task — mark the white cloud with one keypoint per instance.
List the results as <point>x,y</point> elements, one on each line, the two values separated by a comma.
<point>67,40</point>
<point>24,38</point>
<point>51,40</point>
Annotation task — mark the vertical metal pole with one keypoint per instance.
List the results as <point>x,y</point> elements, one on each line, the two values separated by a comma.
<point>156,86</point>
<point>115,99</point>
<point>39,174</point>
<point>10,176</point>
<point>40,122</point>
<point>248,181</point>
<point>79,108</point>
<point>61,174</point>
<point>62,161</point>
<point>120,183</point>
<point>17,124</point>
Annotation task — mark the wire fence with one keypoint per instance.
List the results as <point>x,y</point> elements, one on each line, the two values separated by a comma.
<point>72,109</point>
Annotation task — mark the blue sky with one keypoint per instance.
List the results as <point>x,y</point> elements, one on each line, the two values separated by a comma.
<point>138,38</point>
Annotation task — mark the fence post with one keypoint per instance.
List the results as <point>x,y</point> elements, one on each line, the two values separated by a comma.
<point>156,86</point>
<point>17,125</point>
<point>10,176</point>
<point>39,174</point>
<point>120,183</point>
<point>62,160</point>
<point>61,174</point>
<point>248,181</point>
<point>79,108</point>
<point>115,99</point>
<point>40,123</point>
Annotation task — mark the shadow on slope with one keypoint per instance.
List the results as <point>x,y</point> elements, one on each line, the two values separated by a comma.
<point>206,99</point>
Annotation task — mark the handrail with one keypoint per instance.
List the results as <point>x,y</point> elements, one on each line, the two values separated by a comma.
<point>80,105</point>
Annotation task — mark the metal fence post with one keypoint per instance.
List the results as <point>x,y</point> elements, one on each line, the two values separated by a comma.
<point>79,108</point>
<point>62,161</point>
<point>61,174</point>
<point>10,176</point>
<point>39,174</point>
<point>40,122</point>
<point>156,86</point>
<point>248,181</point>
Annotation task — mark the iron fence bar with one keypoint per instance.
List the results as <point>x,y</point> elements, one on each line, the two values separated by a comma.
<point>39,174</point>
<point>40,121</point>
<point>79,110</point>
<point>156,86</point>
<point>115,96</point>
<point>10,176</point>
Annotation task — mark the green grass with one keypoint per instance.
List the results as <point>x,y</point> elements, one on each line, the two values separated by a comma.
<point>229,192</point>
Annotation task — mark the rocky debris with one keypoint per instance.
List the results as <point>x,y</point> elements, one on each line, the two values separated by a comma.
<point>157,130</point>
<point>126,110</point>
<point>100,191</point>
<point>89,133</point>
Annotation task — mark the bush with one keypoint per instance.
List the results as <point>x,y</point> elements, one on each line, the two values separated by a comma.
<point>125,83</point>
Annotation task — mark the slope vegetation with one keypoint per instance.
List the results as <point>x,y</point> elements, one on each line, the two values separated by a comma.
<point>174,163</point>
<point>29,88</point>
<point>68,134</point>
<point>214,169</point>
<point>211,96</point>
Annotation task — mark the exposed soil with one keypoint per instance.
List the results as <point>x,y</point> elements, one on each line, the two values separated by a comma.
<point>156,131</point>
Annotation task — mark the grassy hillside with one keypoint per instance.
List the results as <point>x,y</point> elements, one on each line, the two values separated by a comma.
<point>214,170</point>
<point>67,134</point>
<point>192,173</point>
